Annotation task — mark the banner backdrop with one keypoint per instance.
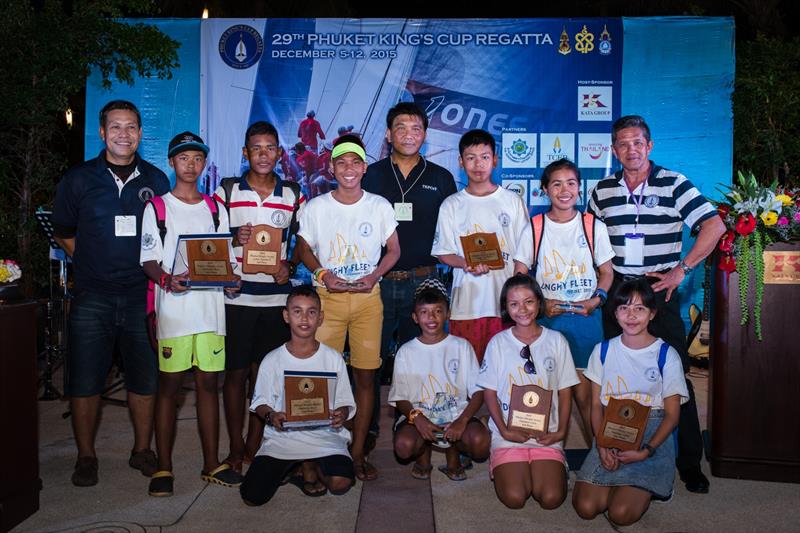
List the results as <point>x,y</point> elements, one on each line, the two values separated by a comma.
<point>545,89</point>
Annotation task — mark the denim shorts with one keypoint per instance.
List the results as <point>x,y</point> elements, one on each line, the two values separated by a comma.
<point>582,333</point>
<point>655,474</point>
<point>96,323</point>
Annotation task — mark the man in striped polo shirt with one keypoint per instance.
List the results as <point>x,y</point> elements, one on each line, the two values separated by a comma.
<point>644,207</point>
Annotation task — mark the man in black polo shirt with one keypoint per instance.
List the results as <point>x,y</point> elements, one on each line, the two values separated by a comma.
<point>416,188</point>
<point>645,207</point>
<point>97,215</point>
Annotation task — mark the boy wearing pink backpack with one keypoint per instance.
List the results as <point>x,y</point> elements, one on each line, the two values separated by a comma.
<point>190,327</point>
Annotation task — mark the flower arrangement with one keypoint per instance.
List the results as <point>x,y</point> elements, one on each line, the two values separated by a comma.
<point>9,271</point>
<point>755,216</point>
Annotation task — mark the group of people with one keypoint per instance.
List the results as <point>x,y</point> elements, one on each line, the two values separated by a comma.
<point>589,291</point>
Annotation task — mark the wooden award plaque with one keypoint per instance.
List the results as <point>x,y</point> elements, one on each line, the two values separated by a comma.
<point>208,262</point>
<point>529,409</point>
<point>306,401</point>
<point>482,248</point>
<point>262,253</point>
<point>624,422</point>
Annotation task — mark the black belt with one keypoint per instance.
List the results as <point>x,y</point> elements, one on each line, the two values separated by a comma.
<point>627,277</point>
<point>402,275</point>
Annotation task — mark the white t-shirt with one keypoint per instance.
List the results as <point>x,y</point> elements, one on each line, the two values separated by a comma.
<point>196,310</point>
<point>501,212</point>
<point>269,390</point>
<point>564,270</point>
<point>347,239</point>
<point>423,370</point>
<point>633,374</point>
<point>502,366</point>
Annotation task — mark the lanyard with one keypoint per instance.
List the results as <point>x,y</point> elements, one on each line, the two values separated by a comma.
<point>638,204</point>
<point>402,192</point>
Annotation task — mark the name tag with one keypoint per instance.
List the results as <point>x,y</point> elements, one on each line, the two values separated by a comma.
<point>634,249</point>
<point>125,226</point>
<point>403,211</point>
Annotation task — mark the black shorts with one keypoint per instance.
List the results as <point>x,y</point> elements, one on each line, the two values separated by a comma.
<point>265,474</point>
<point>251,333</point>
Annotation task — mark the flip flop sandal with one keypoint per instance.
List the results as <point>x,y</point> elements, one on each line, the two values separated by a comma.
<point>314,489</point>
<point>161,484</point>
<point>423,473</point>
<point>454,474</point>
<point>222,475</point>
<point>365,471</point>
<point>466,461</point>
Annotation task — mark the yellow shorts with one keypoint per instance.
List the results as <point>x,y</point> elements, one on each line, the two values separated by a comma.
<point>206,351</point>
<point>360,315</point>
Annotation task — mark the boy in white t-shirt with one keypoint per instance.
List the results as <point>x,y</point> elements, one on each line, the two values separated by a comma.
<point>191,323</point>
<point>324,449</point>
<point>568,246</point>
<point>434,388</point>
<point>340,240</point>
<point>481,207</point>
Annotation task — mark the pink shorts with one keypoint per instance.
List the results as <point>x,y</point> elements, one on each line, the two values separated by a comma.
<point>478,332</point>
<point>523,454</point>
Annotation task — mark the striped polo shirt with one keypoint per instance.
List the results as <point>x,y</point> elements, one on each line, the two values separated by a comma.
<point>245,205</point>
<point>666,201</point>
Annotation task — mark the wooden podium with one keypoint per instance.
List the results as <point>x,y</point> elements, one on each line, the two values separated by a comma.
<point>19,493</point>
<point>754,403</point>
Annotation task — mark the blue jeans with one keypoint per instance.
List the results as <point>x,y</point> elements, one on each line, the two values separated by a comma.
<point>96,323</point>
<point>398,304</point>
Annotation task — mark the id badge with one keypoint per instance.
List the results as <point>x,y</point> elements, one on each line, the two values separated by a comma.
<point>403,211</point>
<point>634,249</point>
<point>125,226</point>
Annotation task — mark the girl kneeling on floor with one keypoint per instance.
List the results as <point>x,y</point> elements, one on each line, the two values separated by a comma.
<point>527,354</point>
<point>624,482</point>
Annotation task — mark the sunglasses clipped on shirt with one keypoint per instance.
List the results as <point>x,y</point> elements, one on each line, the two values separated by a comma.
<point>525,353</point>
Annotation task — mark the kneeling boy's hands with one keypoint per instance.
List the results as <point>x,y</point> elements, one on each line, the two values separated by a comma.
<point>426,428</point>
<point>455,429</point>
<point>338,416</point>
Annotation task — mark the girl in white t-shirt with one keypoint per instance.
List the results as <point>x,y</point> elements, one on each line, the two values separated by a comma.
<point>527,354</point>
<point>638,366</point>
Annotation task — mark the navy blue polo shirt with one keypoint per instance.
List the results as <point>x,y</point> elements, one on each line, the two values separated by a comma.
<point>426,187</point>
<point>87,202</point>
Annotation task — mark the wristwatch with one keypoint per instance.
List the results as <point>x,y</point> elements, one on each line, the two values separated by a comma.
<point>412,414</point>
<point>268,418</point>
<point>650,450</point>
<point>600,293</point>
<point>291,266</point>
<point>686,268</point>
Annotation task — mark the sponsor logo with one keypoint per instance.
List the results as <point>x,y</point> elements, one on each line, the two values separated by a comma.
<point>604,46</point>
<point>520,187</point>
<point>538,197</point>
<point>241,46</point>
<point>594,150</point>
<point>651,374</point>
<point>584,41</point>
<point>146,194</point>
<point>595,103</point>
<point>519,150</point>
<point>555,146</point>
<point>279,219</point>
<point>365,229</point>
<point>148,242</point>
<point>651,201</point>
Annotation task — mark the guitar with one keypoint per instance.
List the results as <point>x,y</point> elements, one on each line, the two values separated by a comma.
<point>699,336</point>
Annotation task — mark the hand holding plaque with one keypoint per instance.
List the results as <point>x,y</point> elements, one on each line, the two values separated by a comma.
<point>624,422</point>
<point>262,251</point>
<point>529,409</point>
<point>207,259</point>
<point>307,399</point>
<point>482,249</point>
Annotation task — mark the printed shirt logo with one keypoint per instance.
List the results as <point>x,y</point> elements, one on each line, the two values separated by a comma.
<point>582,241</point>
<point>595,103</point>
<point>148,242</point>
<point>146,194</point>
<point>484,366</point>
<point>241,46</point>
<point>505,219</point>
<point>365,229</point>
<point>651,374</point>
<point>452,366</point>
<point>346,260</point>
<point>651,201</point>
<point>549,364</point>
<point>279,219</point>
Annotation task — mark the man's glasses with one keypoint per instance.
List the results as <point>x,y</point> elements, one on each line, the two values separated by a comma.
<point>525,353</point>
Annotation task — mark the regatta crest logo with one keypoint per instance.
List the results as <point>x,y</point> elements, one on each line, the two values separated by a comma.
<point>365,229</point>
<point>146,194</point>
<point>241,46</point>
<point>651,374</point>
<point>452,366</point>
<point>279,219</point>
<point>148,242</point>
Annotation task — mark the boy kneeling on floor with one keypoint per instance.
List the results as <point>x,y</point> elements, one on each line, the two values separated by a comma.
<point>330,467</point>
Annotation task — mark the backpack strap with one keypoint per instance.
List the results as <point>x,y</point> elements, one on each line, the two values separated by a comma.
<point>161,215</point>
<point>603,351</point>
<point>294,224</point>
<point>227,186</point>
<point>537,222</point>
<point>589,221</point>
<point>212,206</point>
<point>662,357</point>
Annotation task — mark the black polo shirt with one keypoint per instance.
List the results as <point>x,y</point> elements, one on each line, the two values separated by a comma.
<point>426,187</point>
<point>87,202</point>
